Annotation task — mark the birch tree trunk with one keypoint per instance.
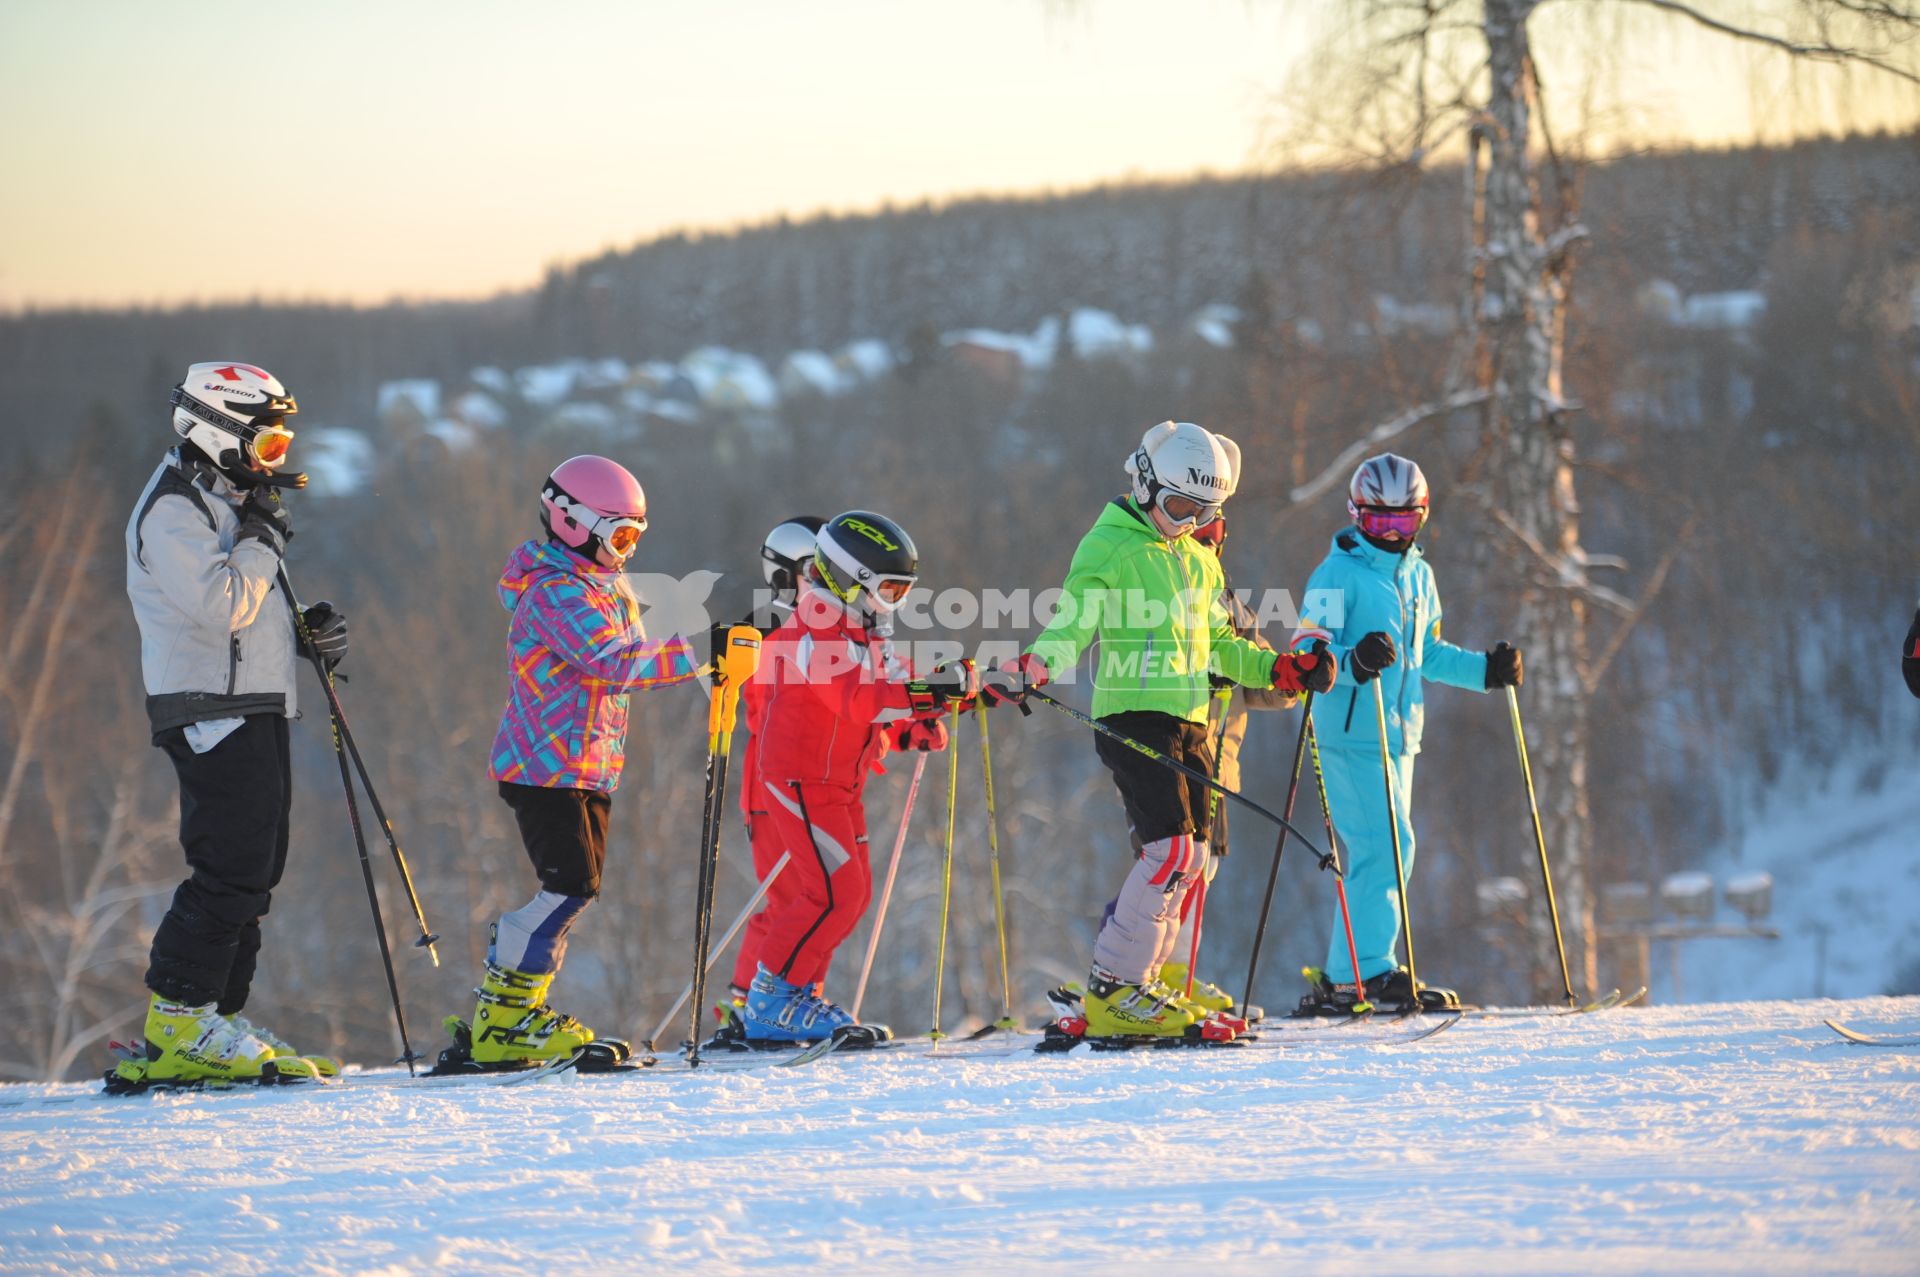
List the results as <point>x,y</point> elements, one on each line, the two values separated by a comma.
<point>1524,318</point>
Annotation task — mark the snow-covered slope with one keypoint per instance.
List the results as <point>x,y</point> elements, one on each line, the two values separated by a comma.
<point>1846,893</point>
<point>1704,1139</point>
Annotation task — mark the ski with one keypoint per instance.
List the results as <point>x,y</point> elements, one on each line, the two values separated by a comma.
<point>120,1084</point>
<point>1868,1039</point>
<point>853,1037</point>
<point>1612,1001</point>
<point>585,1061</point>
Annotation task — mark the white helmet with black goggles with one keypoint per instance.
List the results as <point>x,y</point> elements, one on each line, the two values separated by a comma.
<point>1184,471</point>
<point>789,545</point>
<point>236,416</point>
<point>866,560</point>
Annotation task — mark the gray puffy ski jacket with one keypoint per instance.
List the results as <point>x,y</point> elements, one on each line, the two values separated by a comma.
<point>216,640</point>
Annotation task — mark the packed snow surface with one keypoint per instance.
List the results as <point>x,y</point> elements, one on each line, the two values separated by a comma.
<point>1700,1139</point>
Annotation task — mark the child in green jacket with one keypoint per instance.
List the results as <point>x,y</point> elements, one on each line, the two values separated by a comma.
<point>1151,596</point>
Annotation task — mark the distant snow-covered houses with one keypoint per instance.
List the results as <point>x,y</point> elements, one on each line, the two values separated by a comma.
<point>1735,311</point>
<point>1214,324</point>
<point>730,380</point>
<point>339,462</point>
<point>408,402</point>
<point>805,372</point>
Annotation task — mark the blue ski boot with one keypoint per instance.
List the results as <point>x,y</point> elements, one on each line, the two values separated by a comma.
<point>777,1011</point>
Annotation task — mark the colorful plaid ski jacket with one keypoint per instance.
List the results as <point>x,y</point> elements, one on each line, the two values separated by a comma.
<point>575,648</point>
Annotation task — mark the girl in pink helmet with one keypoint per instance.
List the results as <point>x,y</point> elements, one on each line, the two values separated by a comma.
<point>575,650</point>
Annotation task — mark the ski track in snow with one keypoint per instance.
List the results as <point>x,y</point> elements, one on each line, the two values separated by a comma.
<point>1701,1139</point>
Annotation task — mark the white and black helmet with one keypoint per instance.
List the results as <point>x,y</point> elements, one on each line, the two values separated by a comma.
<point>787,548</point>
<point>1177,459</point>
<point>236,416</point>
<point>1388,481</point>
<point>866,560</point>
<point>1387,498</point>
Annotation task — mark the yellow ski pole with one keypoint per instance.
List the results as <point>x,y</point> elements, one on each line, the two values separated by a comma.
<point>733,666</point>
<point>1006,1020</point>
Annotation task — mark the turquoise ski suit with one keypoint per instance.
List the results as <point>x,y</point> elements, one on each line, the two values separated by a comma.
<point>1356,590</point>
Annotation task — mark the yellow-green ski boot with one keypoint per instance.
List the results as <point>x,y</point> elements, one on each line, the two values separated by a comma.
<point>512,1024</point>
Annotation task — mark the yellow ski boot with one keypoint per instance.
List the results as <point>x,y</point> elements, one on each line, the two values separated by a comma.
<point>1113,1009</point>
<point>1207,995</point>
<point>196,1045</point>
<point>513,1024</point>
<point>323,1065</point>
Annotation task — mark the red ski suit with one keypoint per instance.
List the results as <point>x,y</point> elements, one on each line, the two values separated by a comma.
<point>825,690</point>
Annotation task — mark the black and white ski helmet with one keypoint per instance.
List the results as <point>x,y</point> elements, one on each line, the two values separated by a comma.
<point>789,545</point>
<point>235,415</point>
<point>1387,499</point>
<point>866,560</point>
<point>1187,460</point>
<point>1388,481</point>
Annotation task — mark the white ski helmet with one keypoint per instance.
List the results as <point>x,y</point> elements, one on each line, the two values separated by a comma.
<point>787,547</point>
<point>236,416</point>
<point>1387,498</point>
<point>1187,464</point>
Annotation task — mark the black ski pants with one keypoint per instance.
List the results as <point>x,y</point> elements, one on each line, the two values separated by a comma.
<point>1160,802</point>
<point>235,803</point>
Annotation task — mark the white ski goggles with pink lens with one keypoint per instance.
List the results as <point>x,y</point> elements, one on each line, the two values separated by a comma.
<point>1182,509</point>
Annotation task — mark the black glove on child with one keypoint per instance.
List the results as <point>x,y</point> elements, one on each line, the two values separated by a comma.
<point>327,631</point>
<point>1503,666</point>
<point>953,683</point>
<point>1371,655</point>
<point>264,519</point>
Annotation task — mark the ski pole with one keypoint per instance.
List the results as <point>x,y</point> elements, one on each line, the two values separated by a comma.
<point>1393,827</point>
<point>1279,847</point>
<point>426,939</point>
<point>1199,919</point>
<point>1540,841</point>
<point>1223,697</point>
<point>732,668</point>
<point>1339,879</point>
<point>1006,1020</point>
<point>759,894</point>
<point>946,875</point>
<point>1142,747</point>
<point>353,818</point>
<point>886,891</point>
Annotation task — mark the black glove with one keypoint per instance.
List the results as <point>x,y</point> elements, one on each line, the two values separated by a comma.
<point>953,684</point>
<point>1371,655</point>
<point>954,681</point>
<point>264,519</point>
<point>1910,657</point>
<point>1503,666</point>
<point>327,631</point>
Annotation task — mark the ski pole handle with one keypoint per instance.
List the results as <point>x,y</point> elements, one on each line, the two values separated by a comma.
<point>733,665</point>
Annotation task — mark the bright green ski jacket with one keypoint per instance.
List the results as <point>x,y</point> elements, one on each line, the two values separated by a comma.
<point>1155,606</point>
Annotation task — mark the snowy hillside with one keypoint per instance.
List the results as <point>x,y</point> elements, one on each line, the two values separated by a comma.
<point>1705,1139</point>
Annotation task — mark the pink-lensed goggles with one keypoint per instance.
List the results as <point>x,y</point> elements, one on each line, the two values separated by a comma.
<point>1389,523</point>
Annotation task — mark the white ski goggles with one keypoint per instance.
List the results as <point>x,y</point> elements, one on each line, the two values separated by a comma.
<point>1182,509</point>
<point>620,533</point>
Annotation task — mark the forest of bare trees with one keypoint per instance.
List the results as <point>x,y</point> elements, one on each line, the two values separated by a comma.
<point>1763,467</point>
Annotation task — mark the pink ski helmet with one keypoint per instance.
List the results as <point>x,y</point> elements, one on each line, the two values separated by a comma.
<point>595,506</point>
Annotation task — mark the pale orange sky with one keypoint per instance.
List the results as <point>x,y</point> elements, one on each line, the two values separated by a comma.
<point>172,152</point>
